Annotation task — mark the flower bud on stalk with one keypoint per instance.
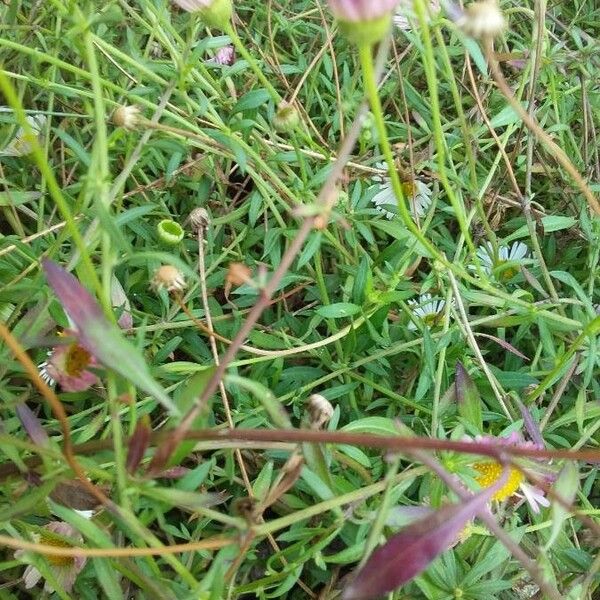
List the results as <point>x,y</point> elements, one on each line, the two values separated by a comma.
<point>363,21</point>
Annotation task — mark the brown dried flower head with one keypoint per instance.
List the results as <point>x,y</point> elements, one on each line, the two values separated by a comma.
<point>199,219</point>
<point>168,278</point>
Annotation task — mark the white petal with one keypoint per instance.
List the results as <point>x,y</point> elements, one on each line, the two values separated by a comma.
<point>518,251</point>
<point>385,197</point>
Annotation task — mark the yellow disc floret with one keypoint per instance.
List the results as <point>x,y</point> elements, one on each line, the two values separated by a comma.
<point>56,561</point>
<point>490,472</point>
<point>77,360</point>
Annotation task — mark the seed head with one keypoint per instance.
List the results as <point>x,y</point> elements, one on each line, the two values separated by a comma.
<point>168,278</point>
<point>127,117</point>
<point>238,273</point>
<point>482,20</point>
<point>199,219</point>
<point>286,118</point>
<point>320,411</point>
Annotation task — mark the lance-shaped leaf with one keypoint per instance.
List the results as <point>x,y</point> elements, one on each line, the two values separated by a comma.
<point>138,444</point>
<point>531,426</point>
<point>32,425</point>
<point>411,551</point>
<point>566,487</point>
<point>467,396</point>
<point>100,337</point>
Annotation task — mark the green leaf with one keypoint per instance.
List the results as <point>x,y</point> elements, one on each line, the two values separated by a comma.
<point>338,310</point>
<point>15,198</point>
<point>467,397</point>
<point>566,487</point>
<point>375,425</point>
<point>251,100</point>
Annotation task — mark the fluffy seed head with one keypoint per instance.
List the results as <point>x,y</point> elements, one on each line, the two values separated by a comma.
<point>320,411</point>
<point>482,20</point>
<point>127,117</point>
<point>199,219</point>
<point>168,278</point>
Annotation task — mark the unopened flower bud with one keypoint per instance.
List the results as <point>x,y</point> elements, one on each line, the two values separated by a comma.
<point>215,13</point>
<point>127,117</point>
<point>320,411</point>
<point>286,118</point>
<point>199,219</point>
<point>168,278</point>
<point>482,20</point>
<point>363,21</point>
<point>170,232</point>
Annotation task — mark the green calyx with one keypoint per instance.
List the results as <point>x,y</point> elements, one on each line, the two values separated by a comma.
<point>218,14</point>
<point>170,232</point>
<point>366,32</point>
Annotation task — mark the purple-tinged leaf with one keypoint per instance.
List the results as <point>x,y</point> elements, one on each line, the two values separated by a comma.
<point>138,444</point>
<point>32,425</point>
<point>411,551</point>
<point>504,344</point>
<point>78,303</point>
<point>531,426</point>
<point>100,337</point>
<point>467,397</point>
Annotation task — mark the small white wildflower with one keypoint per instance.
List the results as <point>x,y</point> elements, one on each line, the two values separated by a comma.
<point>518,251</point>
<point>19,145</point>
<point>417,193</point>
<point>426,309</point>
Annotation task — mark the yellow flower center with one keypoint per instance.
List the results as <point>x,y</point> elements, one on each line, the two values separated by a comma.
<point>409,188</point>
<point>506,274</point>
<point>56,561</point>
<point>432,319</point>
<point>490,472</point>
<point>77,360</point>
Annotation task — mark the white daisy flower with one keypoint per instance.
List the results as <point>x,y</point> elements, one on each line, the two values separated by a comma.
<point>405,15</point>
<point>416,192</point>
<point>426,309</point>
<point>19,145</point>
<point>513,254</point>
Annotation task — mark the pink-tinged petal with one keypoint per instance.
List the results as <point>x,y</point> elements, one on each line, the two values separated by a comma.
<point>411,551</point>
<point>361,10</point>
<point>100,337</point>
<point>534,496</point>
<point>32,425</point>
<point>68,365</point>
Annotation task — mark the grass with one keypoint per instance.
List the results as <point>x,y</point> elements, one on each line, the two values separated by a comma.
<point>348,319</point>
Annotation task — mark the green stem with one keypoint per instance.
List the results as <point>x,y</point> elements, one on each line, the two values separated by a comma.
<point>438,135</point>
<point>239,46</point>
